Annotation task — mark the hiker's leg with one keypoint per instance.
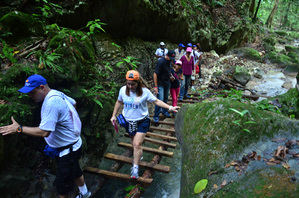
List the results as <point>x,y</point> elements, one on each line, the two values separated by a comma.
<point>137,142</point>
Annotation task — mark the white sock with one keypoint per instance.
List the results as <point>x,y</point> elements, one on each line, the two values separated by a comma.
<point>83,189</point>
<point>135,166</point>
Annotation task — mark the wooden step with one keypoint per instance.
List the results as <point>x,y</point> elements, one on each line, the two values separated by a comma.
<point>164,137</point>
<point>106,173</point>
<point>148,149</point>
<point>162,129</point>
<point>164,122</point>
<point>155,141</point>
<point>128,160</point>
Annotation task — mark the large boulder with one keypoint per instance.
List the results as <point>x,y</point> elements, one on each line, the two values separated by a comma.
<point>234,150</point>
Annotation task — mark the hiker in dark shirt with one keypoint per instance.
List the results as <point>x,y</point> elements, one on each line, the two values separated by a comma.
<point>162,82</point>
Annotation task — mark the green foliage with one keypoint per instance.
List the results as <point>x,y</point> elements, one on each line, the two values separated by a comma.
<point>48,60</point>
<point>7,52</point>
<point>241,122</point>
<point>234,94</point>
<point>130,63</point>
<point>266,105</point>
<point>95,26</point>
<point>215,3</point>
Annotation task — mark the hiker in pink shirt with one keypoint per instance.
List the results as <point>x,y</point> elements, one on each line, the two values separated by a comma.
<point>187,67</point>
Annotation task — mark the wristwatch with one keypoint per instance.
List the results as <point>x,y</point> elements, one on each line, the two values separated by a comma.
<point>20,129</point>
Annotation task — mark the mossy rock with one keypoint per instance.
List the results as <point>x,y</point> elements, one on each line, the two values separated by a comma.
<point>281,33</point>
<point>250,53</point>
<point>289,102</point>
<point>290,48</point>
<point>21,25</point>
<point>279,59</point>
<point>210,140</point>
<point>270,40</point>
<point>294,57</point>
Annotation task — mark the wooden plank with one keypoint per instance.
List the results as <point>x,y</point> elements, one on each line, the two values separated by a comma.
<point>162,129</point>
<point>155,141</point>
<point>164,122</point>
<point>117,175</point>
<point>164,137</point>
<point>148,149</point>
<point>128,160</point>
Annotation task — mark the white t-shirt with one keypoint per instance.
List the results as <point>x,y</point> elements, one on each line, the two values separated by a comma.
<point>178,55</point>
<point>135,108</point>
<point>56,117</point>
<point>161,52</point>
<point>196,56</point>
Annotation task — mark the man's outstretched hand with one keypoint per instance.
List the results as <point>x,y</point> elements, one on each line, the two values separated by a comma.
<point>10,129</point>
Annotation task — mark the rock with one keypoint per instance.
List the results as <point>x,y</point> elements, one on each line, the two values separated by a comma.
<point>214,53</point>
<point>287,85</point>
<point>21,25</point>
<point>198,126</point>
<point>242,77</point>
<point>258,73</point>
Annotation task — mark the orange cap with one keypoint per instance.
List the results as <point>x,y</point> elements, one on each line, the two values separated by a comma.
<point>132,75</point>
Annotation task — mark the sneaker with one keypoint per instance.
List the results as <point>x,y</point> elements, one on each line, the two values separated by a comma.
<point>86,195</point>
<point>167,115</point>
<point>134,173</point>
<point>156,119</point>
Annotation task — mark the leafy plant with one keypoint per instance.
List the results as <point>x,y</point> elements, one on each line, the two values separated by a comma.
<point>130,63</point>
<point>7,52</point>
<point>47,59</point>
<point>265,105</point>
<point>240,122</point>
<point>94,26</point>
<point>234,94</point>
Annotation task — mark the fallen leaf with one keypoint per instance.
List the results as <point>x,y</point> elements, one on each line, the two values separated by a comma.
<point>271,163</point>
<point>259,157</point>
<point>233,163</point>
<point>223,183</point>
<point>200,186</point>
<point>212,173</point>
<point>286,165</point>
<point>269,186</point>
<point>237,168</point>
<point>215,186</point>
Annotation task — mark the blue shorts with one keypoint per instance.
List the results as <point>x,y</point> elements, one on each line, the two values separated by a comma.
<point>142,126</point>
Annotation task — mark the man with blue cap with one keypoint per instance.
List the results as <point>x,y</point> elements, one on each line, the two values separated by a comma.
<point>60,127</point>
<point>179,52</point>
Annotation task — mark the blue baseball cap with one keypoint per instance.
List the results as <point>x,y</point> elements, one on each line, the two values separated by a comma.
<point>189,44</point>
<point>32,82</point>
<point>181,45</point>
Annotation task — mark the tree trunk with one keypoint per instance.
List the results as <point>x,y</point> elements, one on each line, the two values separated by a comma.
<point>257,9</point>
<point>285,18</point>
<point>271,16</point>
<point>251,8</point>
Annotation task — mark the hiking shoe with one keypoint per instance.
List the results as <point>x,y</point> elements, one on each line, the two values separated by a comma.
<point>156,119</point>
<point>86,195</point>
<point>167,115</point>
<point>134,173</point>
